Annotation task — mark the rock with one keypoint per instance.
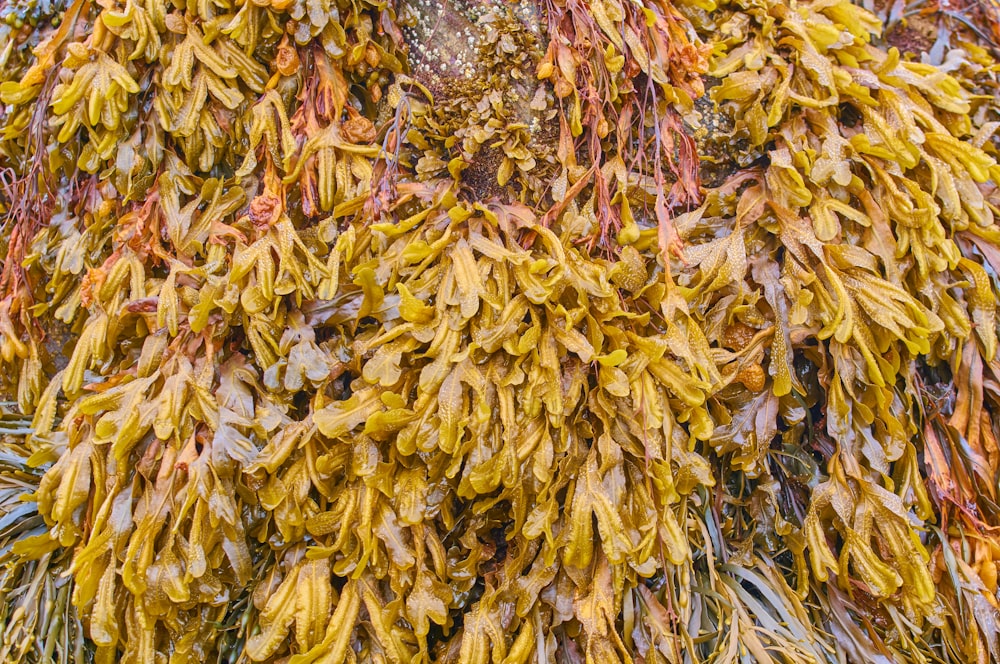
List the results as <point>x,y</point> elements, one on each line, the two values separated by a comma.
<point>477,59</point>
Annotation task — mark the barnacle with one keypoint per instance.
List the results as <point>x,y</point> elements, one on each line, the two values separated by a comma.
<point>345,330</point>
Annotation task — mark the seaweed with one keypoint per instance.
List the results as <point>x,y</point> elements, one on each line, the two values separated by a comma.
<point>408,331</point>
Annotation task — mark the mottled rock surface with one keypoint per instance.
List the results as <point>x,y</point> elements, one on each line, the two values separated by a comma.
<point>478,61</point>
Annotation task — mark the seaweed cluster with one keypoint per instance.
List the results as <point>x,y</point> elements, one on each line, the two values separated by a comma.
<point>353,330</point>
